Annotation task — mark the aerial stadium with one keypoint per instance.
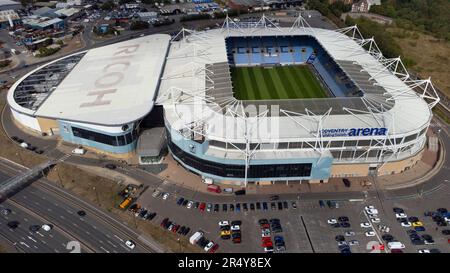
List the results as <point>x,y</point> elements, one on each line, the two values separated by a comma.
<point>247,103</point>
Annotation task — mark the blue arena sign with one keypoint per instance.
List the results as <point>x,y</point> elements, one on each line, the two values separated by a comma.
<point>345,132</point>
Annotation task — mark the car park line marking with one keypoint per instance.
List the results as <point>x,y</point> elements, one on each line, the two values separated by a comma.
<point>49,209</point>
<point>40,234</point>
<point>50,235</point>
<point>75,224</point>
<point>25,219</point>
<point>62,217</point>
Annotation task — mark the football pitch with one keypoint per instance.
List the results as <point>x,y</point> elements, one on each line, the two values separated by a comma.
<point>278,82</point>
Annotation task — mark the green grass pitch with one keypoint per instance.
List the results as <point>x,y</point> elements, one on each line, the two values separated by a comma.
<point>278,82</point>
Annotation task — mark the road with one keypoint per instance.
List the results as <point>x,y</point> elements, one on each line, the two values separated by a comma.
<point>43,202</point>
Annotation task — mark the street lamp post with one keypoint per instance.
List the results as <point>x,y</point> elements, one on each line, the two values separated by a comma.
<point>20,157</point>
<point>96,194</point>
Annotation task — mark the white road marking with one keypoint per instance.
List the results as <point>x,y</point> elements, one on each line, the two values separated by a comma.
<point>109,242</point>
<point>75,224</point>
<point>120,239</point>
<point>104,249</point>
<point>51,236</point>
<point>32,239</point>
<point>22,243</point>
<point>62,217</point>
<point>49,209</point>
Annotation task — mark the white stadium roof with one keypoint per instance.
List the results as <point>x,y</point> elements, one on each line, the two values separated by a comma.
<point>110,85</point>
<point>190,105</point>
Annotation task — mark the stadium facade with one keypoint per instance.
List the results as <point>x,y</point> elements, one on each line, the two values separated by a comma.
<point>374,120</point>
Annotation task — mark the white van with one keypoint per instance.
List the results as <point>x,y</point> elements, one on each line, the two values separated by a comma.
<point>79,151</point>
<point>195,237</point>
<point>396,245</point>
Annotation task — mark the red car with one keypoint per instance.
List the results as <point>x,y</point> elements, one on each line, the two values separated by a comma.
<point>175,228</point>
<point>448,241</point>
<point>236,240</point>
<point>267,242</point>
<point>214,248</point>
<point>202,207</point>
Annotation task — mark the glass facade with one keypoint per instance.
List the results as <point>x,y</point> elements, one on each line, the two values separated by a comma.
<point>103,138</point>
<point>238,171</point>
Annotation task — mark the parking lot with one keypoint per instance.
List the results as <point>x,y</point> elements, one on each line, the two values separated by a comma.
<point>305,228</point>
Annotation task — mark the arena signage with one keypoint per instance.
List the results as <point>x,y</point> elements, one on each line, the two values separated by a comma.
<point>346,132</point>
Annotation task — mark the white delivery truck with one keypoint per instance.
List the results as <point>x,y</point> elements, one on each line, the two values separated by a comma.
<point>195,237</point>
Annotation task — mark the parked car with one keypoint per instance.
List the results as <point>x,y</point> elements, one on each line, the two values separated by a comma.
<point>294,205</point>
<point>350,233</point>
<point>321,203</point>
<point>180,201</point>
<point>264,205</point>
<point>346,182</point>
<point>331,221</point>
<point>280,206</point>
<point>202,207</point>
<point>387,237</point>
